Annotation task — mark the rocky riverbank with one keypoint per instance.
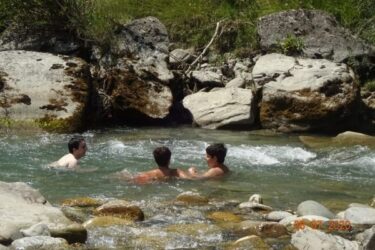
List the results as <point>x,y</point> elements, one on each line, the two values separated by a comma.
<point>189,221</point>
<point>141,79</point>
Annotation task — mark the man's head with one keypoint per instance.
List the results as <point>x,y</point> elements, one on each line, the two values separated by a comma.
<point>77,146</point>
<point>162,156</point>
<point>217,150</point>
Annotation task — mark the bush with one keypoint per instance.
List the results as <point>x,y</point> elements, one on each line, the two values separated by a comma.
<point>370,86</point>
<point>190,23</point>
<point>54,15</point>
<point>291,45</point>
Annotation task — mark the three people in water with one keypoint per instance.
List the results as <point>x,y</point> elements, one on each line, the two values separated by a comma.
<point>215,157</point>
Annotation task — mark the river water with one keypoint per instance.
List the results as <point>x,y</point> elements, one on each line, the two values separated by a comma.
<point>279,167</point>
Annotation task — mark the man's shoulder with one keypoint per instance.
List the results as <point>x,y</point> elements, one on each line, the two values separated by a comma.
<point>67,161</point>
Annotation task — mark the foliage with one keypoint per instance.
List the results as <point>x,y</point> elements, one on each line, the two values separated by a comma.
<point>291,45</point>
<point>57,15</point>
<point>190,23</point>
<point>370,86</point>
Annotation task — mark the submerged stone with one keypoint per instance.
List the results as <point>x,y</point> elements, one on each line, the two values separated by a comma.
<point>222,216</point>
<point>122,209</point>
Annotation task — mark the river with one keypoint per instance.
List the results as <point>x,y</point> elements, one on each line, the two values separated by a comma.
<point>279,167</point>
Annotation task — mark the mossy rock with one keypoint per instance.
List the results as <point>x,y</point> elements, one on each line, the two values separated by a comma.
<point>222,216</point>
<point>39,94</point>
<point>82,202</point>
<point>122,209</point>
<point>192,198</point>
<point>76,214</point>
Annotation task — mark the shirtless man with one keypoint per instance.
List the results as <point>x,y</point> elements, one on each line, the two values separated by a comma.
<point>162,156</point>
<point>215,156</point>
<point>77,149</point>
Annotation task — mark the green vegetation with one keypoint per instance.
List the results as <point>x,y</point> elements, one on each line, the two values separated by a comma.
<point>291,45</point>
<point>370,86</point>
<point>189,22</point>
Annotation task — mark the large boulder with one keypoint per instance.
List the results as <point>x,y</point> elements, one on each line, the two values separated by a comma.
<point>133,76</point>
<point>314,208</point>
<point>322,36</point>
<point>40,243</point>
<point>18,37</point>
<point>225,107</point>
<point>48,90</point>
<point>305,94</point>
<point>315,239</point>
<point>22,207</point>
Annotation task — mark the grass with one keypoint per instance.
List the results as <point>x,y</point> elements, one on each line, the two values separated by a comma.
<point>190,23</point>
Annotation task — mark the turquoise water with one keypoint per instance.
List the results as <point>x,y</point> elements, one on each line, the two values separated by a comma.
<point>279,167</point>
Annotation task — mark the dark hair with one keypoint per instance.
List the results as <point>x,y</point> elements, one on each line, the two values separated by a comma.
<point>74,142</point>
<point>218,150</point>
<point>162,156</point>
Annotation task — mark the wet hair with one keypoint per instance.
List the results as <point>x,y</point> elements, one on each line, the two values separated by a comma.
<point>162,156</point>
<point>74,142</point>
<point>218,150</point>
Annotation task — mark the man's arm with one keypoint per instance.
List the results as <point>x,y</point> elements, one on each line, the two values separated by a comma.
<point>213,172</point>
<point>183,175</point>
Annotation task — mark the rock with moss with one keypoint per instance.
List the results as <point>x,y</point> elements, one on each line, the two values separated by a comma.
<point>133,76</point>
<point>106,221</point>
<point>122,209</point>
<point>320,36</point>
<point>192,198</point>
<point>224,216</point>
<point>44,90</point>
<point>306,94</point>
<point>82,202</point>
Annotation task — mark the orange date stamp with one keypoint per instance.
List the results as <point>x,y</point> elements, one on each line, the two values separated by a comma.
<point>331,225</point>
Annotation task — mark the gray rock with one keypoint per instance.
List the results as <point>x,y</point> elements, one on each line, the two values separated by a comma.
<point>314,208</point>
<point>317,240</point>
<point>179,56</point>
<point>322,36</point>
<point>20,211</point>
<point>360,215</point>
<point>207,78</point>
<point>238,82</point>
<point>278,215</point>
<point>257,198</point>
<point>305,94</point>
<point>17,37</point>
<point>288,220</point>
<point>254,205</point>
<point>39,229</point>
<point>43,86</point>
<point>40,243</point>
<point>367,238</point>
<point>142,46</point>
<point>226,107</point>
<point>2,247</point>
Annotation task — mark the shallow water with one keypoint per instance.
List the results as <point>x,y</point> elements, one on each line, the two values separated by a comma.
<point>279,167</point>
